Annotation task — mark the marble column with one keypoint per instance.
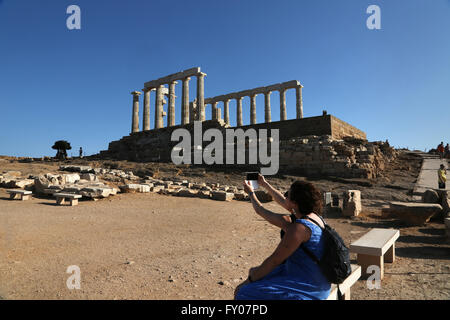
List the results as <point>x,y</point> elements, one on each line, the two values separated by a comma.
<point>253,109</point>
<point>192,110</point>
<point>226,112</point>
<point>214,111</point>
<point>171,108</point>
<point>185,101</point>
<point>201,96</point>
<point>146,120</point>
<point>298,94</point>
<point>135,117</point>
<point>239,112</point>
<point>267,111</point>
<point>159,107</point>
<point>283,115</point>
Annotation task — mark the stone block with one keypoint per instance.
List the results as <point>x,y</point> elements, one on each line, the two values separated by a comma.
<point>204,194</point>
<point>88,176</point>
<point>416,214</point>
<point>142,188</point>
<point>71,178</point>
<point>430,196</point>
<point>222,196</point>
<point>189,193</point>
<point>351,205</point>
<point>240,196</point>
<point>156,189</point>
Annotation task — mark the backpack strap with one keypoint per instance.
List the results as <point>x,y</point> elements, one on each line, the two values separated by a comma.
<point>315,222</point>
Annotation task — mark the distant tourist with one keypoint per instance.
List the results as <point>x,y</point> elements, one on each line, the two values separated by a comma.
<point>440,150</point>
<point>447,151</point>
<point>81,152</point>
<point>442,177</point>
<point>289,273</point>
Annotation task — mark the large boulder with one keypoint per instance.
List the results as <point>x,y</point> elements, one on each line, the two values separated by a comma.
<point>45,181</point>
<point>416,214</point>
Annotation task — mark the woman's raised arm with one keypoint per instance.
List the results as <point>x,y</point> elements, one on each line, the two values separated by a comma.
<point>276,195</point>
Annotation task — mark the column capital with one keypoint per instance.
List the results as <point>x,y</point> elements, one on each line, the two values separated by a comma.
<point>186,79</point>
<point>136,93</point>
<point>201,74</point>
<point>268,93</point>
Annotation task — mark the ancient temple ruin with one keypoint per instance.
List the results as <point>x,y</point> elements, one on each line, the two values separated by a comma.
<point>311,145</point>
<point>195,110</point>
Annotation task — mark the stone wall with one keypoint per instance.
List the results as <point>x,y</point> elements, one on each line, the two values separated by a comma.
<point>323,145</point>
<point>324,156</point>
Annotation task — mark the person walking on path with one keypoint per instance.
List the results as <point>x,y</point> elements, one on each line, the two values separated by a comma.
<point>440,150</point>
<point>442,177</point>
<point>447,151</point>
<point>81,152</point>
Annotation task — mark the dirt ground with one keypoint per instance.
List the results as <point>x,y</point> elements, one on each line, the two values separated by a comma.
<point>151,246</point>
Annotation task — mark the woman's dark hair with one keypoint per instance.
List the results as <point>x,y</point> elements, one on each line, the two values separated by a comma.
<point>307,197</point>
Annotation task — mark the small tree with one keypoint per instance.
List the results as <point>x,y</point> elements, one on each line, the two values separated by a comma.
<point>62,146</point>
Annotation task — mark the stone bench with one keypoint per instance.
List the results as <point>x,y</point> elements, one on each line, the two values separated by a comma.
<point>19,194</point>
<point>345,286</point>
<point>375,248</point>
<point>61,198</point>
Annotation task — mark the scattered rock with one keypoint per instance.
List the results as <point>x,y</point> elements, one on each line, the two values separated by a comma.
<point>222,196</point>
<point>430,196</point>
<point>186,193</point>
<point>89,177</point>
<point>142,188</point>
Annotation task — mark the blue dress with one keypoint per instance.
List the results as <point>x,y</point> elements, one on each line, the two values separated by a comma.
<point>299,278</point>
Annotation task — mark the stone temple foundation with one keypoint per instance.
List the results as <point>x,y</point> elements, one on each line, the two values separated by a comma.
<point>325,132</point>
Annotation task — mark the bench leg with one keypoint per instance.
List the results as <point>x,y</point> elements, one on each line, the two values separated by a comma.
<point>389,256</point>
<point>25,197</point>
<point>365,261</point>
<point>13,196</point>
<point>73,202</point>
<point>60,201</point>
<point>346,295</point>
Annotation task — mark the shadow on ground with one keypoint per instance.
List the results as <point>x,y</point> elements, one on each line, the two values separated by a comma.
<point>424,252</point>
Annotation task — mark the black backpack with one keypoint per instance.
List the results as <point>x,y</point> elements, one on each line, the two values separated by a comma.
<point>335,262</point>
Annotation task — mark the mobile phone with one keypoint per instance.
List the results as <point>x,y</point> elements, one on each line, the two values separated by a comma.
<point>252,177</point>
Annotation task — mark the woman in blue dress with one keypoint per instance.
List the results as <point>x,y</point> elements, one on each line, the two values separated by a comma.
<point>289,273</point>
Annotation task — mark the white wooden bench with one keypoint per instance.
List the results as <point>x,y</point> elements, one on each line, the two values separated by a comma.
<point>345,286</point>
<point>375,248</point>
<point>61,198</point>
<point>19,194</point>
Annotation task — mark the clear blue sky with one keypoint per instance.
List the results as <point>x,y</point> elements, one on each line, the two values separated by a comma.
<point>56,83</point>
